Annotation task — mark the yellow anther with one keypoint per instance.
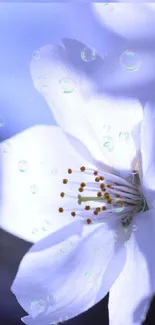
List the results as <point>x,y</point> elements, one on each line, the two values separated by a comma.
<point>109,201</point>
<point>97,179</point>
<point>95,173</point>
<point>82,168</point>
<point>89,221</point>
<point>101,178</point>
<point>99,194</point>
<point>104,208</point>
<point>98,209</point>
<point>109,185</point>
<point>95,212</point>
<point>62,194</point>
<point>106,195</point>
<point>80,189</point>
<point>87,207</point>
<point>69,171</point>
<point>65,181</point>
<point>61,210</point>
<point>73,214</point>
<point>83,184</point>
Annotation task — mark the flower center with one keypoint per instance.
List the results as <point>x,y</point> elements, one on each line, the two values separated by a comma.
<point>99,195</point>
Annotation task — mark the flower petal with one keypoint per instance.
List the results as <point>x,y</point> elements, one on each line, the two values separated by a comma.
<point>131,20</point>
<point>33,164</point>
<point>135,286</point>
<point>78,256</point>
<point>148,153</point>
<point>84,116</point>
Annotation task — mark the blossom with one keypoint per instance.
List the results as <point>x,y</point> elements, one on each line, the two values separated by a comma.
<point>102,214</point>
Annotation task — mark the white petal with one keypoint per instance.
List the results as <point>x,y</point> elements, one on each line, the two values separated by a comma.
<point>86,117</point>
<point>85,258</point>
<point>33,164</point>
<point>148,153</point>
<point>127,19</point>
<point>135,286</point>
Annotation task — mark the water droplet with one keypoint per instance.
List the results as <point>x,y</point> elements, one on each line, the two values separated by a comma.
<point>34,189</point>
<point>38,307</point>
<point>67,85</point>
<point>6,147</point>
<point>108,143</point>
<point>88,54</point>
<point>44,83</point>
<point>23,166</point>
<point>124,136</point>
<point>134,228</point>
<point>130,60</point>
<point>117,206</point>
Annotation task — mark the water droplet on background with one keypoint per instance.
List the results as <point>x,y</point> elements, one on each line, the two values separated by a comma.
<point>88,54</point>
<point>130,60</point>
<point>134,228</point>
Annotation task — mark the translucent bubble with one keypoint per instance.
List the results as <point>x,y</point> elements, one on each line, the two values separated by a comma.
<point>38,307</point>
<point>23,166</point>
<point>6,147</point>
<point>44,83</point>
<point>117,206</point>
<point>1,122</point>
<point>134,228</point>
<point>67,85</point>
<point>88,54</point>
<point>130,60</point>
<point>34,189</point>
<point>36,55</point>
<point>108,143</point>
<point>124,136</point>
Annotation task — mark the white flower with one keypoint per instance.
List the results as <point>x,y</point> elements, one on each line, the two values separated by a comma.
<point>85,254</point>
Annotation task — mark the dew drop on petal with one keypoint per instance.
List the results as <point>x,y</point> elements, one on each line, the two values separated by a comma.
<point>124,136</point>
<point>88,54</point>
<point>130,60</point>
<point>67,85</point>
<point>108,143</point>
<point>34,189</point>
<point>6,147</point>
<point>116,206</point>
<point>37,307</point>
<point>23,165</point>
